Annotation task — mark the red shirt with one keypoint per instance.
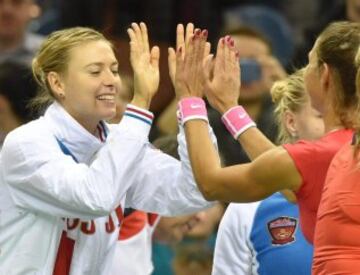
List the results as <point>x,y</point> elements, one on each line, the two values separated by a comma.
<point>337,235</point>
<point>312,159</point>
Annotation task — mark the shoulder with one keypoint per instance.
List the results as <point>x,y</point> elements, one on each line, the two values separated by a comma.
<point>28,136</point>
<point>240,213</point>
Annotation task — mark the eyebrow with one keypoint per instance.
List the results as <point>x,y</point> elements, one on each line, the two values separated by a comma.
<point>100,64</point>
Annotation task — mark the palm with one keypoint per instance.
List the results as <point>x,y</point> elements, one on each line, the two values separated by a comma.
<point>222,90</point>
<point>146,75</point>
<point>144,62</point>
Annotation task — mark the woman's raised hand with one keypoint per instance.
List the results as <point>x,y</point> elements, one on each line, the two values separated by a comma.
<point>222,76</point>
<point>183,40</point>
<point>189,58</point>
<point>145,64</point>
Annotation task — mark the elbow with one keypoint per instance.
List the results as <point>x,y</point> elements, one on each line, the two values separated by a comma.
<point>208,187</point>
<point>209,196</point>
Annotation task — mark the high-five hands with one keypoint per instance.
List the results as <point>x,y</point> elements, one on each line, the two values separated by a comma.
<point>145,63</point>
<point>222,76</point>
<point>183,43</point>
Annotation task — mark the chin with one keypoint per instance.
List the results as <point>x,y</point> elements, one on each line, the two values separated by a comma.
<point>108,115</point>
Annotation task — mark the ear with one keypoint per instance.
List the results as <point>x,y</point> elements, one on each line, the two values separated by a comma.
<point>56,85</point>
<point>325,76</point>
<point>290,123</point>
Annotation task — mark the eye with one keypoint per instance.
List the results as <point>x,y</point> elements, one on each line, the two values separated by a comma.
<point>115,71</point>
<point>95,73</point>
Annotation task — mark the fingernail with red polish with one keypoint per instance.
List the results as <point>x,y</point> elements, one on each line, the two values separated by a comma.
<point>205,33</point>
<point>232,43</point>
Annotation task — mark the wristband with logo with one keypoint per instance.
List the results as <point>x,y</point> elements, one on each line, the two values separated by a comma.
<point>191,108</point>
<point>237,121</point>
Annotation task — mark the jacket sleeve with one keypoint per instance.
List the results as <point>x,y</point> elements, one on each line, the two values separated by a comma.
<point>233,253</point>
<point>165,185</point>
<point>41,178</point>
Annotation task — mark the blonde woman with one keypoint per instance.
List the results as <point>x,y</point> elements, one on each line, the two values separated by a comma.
<point>70,170</point>
<point>265,237</point>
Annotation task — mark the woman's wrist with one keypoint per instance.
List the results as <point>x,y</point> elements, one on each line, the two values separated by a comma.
<point>191,108</point>
<point>237,121</point>
<point>141,102</point>
<point>223,108</point>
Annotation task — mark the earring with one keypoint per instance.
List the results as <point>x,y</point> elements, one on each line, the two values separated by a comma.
<point>61,95</point>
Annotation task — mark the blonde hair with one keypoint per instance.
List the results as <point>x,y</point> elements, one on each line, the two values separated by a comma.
<point>53,56</point>
<point>288,95</point>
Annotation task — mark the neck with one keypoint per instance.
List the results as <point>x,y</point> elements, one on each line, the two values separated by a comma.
<point>90,126</point>
<point>331,121</point>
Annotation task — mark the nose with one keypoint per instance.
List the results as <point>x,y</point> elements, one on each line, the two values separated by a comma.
<point>110,79</point>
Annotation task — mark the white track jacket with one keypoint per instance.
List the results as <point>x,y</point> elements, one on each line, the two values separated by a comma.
<point>44,191</point>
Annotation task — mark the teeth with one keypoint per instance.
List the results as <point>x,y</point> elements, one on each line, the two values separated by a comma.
<point>106,97</point>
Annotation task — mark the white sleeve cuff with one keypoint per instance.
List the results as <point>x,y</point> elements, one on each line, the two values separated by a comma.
<point>137,119</point>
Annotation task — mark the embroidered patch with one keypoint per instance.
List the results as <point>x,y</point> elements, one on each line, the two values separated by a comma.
<point>282,230</point>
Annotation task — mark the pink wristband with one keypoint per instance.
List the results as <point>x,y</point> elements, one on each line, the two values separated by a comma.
<point>237,121</point>
<point>192,108</point>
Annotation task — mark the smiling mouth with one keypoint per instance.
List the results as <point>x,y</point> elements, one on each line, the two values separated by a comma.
<point>107,98</point>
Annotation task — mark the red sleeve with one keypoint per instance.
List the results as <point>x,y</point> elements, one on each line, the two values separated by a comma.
<point>311,165</point>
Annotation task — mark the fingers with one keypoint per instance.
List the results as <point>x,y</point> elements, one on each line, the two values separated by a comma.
<point>172,64</point>
<point>219,56</point>
<point>189,33</point>
<point>144,34</point>
<point>179,60</point>
<point>207,66</point>
<point>200,45</point>
<point>190,52</point>
<point>207,49</point>
<point>155,57</point>
<point>180,39</point>
<point>138,34</point>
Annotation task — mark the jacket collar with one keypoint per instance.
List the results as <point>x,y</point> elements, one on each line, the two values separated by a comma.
<point>74,136</point>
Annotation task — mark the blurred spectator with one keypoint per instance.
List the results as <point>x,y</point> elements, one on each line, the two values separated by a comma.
<point>193,255</point>
<point>16,42</point>
<point>49,18</point>
<point>267,21</point>
<point>17,88</point>
<point>328,11</point>
<point>259,69</point>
